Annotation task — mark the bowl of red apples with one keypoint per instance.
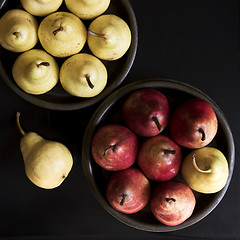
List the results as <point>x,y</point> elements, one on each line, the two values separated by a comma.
<point>158,155</point>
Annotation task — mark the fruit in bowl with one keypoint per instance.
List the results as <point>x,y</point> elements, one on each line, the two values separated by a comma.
<point>128,190</point>
<point>205,170</point>
<point>172,202</point>
<point>41,8</point>
<point>62,34</point>
<point>194,123</point>
<point>114,147</point>
<point>159,158</point>
<point>87,9</point>
<point>109,37</point>
<point>83,75</point>
<point>18,30</point>
<point>146,112</point>
<point>110,112</point>
<point>35,71</point>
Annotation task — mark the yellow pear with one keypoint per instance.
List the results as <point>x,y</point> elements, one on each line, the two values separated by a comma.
<point>47,163</point>
<point>35,71</point>
<point>18,30</point>
<point>62,34</point>
<point>109,37</point>
<point>41,7</point>
<point>205,170</point>
<point>87,9</point>
<point>83,75</point>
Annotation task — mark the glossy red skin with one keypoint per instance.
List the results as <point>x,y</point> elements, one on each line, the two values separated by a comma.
<point>124,153</point>
<point>132,182</point>
<point>188,118</point>
<point>169,212</point>
<point>140,106</point>
<point>156,165</point>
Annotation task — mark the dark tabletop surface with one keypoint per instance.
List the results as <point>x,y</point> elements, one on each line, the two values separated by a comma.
<point>195,42</point>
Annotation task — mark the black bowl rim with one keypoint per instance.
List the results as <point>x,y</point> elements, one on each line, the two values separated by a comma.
<point>88,101</point>
<point>106,104</point>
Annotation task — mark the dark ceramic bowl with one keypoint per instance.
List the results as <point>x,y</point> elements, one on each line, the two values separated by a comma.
<point>109,112</point>
<point>57,98</point>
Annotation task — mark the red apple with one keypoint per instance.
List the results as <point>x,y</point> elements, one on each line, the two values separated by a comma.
<point>172,202</point>
<point>159,158</point>
<point>114,147</point>
<point>146,112</point>
<point>128,190</point>
<point>194,123</point>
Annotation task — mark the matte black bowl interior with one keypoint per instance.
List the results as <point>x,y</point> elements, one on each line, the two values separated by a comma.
<point>110,112</point>
<point>57,98</point>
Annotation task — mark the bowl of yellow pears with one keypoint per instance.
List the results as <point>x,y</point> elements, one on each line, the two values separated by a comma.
<point>66,55</point>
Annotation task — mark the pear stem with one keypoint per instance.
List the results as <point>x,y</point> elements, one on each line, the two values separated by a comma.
<point>106,150</point>
<point>57,30</point>
<point>166,151</point>
<point>16,34</point>
<point>97,34</point>
<point>124,195</point>
<point>170,200</point>
<point>203,134</point>
<point>89,81</point>
<point>197,168</point>
<point>46,64</point>
<point>18,124</point>
<point>159,126</point>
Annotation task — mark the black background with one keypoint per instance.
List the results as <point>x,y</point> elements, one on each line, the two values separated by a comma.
<point>196,42</point>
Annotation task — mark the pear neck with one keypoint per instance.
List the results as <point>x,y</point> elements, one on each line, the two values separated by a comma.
<point>37,70</point>
<point>19,32</point>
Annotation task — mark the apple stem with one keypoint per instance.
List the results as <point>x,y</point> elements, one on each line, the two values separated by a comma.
<point>57,30</point>
<point>124,195</point>
<point>159,126</point>
<point>110,147</point>
<point>89,81</point>
<point>203,134</point>
<point>166,151</point>
<point>18,124</point>
<point>46,64</point>
<point>97,34</point>
<point>197,168</point>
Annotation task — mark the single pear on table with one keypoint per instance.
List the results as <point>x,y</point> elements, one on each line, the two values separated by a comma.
<point>205,170</point>
<point>47,163</point>
<point>87,9</point>
<point>109,37</point>
<point>62,34</point>
<point>83,75</point>
<point>41,8</point>
<point>35,71</point>
<point>18,30</point>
